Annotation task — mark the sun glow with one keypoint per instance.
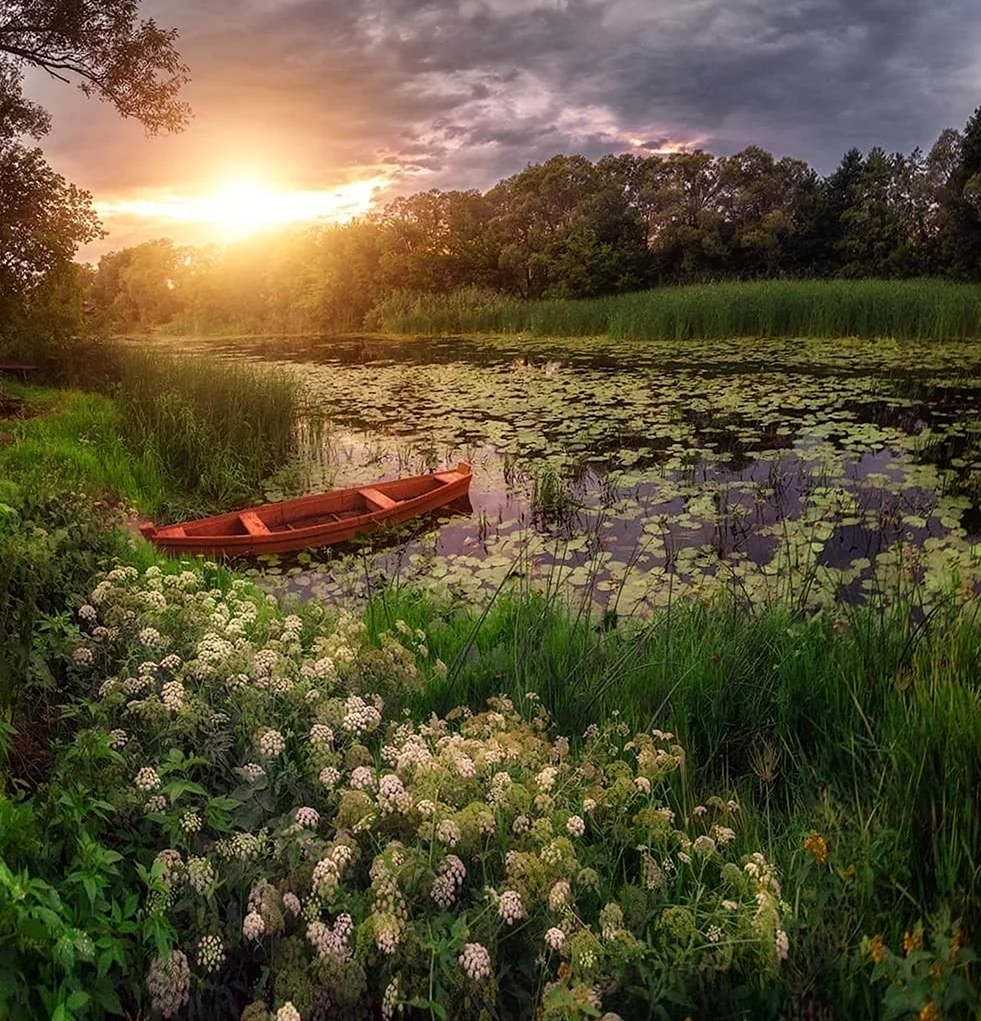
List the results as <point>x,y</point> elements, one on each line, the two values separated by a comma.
<point>242,206</point>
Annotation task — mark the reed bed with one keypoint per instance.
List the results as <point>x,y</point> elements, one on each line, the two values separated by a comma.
<point>924,309</point>
<point>216,428</point>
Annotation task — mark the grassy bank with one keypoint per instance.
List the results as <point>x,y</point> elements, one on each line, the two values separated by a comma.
<point>166,435</point>
<point>67,439</point>
<point>849,747</point>
<point>902,309</point>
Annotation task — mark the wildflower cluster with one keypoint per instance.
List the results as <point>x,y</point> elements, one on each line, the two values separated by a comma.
<point>930,977</point>
<point>300,823</point>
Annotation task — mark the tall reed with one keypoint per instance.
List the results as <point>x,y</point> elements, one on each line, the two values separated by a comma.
<point>925,309</point>
<point>216,428</point>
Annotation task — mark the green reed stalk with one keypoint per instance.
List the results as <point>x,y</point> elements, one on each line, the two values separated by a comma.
<point>924,309</point>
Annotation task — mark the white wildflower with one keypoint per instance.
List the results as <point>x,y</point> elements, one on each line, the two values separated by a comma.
<point>200,874</point>
<point>390,1001</point>
<point>270,743</point>
<point>448,832</point>
<point>392,796</point>
<point>149,636</point>
<point>172,695</point>
<point>723,835</point>
<point>510,907</point>
<point>169,983</point>
<point>576,825</point>
<point>475,961</point>
<point>147,779</point>
<point>555,938</point>
<point>320,733</point>
<point>211,952</point>
<point>363,778</point>
<point>190,822</point>
<point>308,818</point>
<point>253,926</point>
<point>560,895</point>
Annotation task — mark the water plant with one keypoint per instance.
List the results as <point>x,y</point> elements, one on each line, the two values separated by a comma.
<point>925,309</point>
<point>216,428</point>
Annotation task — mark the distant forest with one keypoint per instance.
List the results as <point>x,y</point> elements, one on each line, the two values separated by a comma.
<point>572,228</point>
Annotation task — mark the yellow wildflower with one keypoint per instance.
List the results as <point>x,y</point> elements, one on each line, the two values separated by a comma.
<point>912,941</point>
<point>878,948</point>
<point>929,1012</point>
<point>817,846</point>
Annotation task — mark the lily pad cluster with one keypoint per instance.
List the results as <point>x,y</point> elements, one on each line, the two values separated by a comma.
<point>628,473</point>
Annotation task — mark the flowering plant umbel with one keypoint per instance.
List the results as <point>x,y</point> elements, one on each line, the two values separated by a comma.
<point>289,816</point>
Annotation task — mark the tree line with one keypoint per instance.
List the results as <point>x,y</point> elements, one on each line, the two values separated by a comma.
<point>573,228</point>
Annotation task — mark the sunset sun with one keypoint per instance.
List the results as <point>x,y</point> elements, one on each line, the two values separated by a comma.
<point>238,206</point>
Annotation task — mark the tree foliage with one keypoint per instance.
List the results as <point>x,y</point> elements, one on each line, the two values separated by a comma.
<point>104,48</point>
<point>570,227</point>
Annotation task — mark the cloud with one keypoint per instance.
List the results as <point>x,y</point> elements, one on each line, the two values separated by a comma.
<point>458,93</point>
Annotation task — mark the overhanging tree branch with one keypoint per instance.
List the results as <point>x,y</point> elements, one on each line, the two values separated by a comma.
<point>132,64</point>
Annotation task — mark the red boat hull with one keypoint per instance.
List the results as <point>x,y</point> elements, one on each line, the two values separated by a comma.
<point>308,522</point>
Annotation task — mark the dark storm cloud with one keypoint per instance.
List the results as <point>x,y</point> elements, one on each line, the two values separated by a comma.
<point>462,92</point>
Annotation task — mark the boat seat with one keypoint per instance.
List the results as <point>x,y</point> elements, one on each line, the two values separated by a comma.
<point>449,477</point>
<point>253,524</point>
<point>380,500</point>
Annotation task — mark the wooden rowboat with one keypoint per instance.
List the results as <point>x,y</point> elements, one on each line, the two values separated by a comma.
<point>310,521</point>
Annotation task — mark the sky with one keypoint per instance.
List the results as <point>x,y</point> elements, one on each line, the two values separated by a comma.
<point>324,108</point>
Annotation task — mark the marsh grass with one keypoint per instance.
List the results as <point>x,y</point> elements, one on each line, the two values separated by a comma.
<point>484,310</point>
<point>217,429</point>
<point>924,309</point>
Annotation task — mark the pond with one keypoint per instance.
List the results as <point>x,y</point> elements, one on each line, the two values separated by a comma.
<point>625,475</point>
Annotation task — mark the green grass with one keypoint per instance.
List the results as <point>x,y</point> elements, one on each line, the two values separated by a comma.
<point>217,429</point>
<point>866,727</point>
<point>176,437</point>
<point>72,441</point>
<point>925,309</point>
